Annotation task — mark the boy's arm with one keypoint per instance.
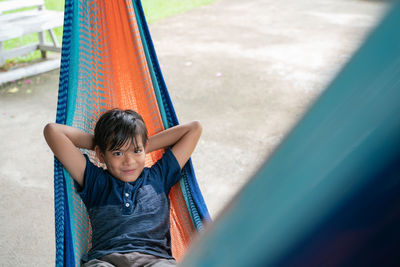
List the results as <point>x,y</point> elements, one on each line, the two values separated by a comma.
<point>183,139</point>
<point>64,141</point>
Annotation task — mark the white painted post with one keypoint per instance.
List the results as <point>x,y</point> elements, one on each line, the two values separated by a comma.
<point>41,36</point>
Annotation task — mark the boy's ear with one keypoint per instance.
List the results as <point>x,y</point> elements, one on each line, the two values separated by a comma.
<point>99,154</point>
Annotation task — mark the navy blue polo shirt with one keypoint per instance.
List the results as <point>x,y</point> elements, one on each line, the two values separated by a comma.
<point>130,216</point>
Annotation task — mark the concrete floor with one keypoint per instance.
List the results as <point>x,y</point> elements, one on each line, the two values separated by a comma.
<point>247,70</point>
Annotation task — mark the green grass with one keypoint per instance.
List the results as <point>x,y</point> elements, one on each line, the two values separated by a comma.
<point>154,10</point>
<point>159,9</point>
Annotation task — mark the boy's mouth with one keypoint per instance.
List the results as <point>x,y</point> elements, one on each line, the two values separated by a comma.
<point>128,172</point>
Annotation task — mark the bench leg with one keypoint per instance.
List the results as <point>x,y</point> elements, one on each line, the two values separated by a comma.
<point>41,37</point>
<point>53,38</point>
<point>41,42</point>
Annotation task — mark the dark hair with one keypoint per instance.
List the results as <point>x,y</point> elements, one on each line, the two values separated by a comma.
<point>116,127</point>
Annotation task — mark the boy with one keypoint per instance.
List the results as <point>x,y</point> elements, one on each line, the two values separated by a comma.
<point>127,203</point>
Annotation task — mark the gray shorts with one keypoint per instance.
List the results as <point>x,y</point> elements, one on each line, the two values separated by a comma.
<point>133,259</point>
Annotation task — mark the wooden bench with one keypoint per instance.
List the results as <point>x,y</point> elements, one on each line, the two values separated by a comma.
<point>14,25</point>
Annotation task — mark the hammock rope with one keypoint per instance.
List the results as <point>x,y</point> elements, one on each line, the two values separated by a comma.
<point>108,60</point>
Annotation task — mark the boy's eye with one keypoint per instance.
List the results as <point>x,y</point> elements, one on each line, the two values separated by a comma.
<point>117,153</point>
<point>138,150</point>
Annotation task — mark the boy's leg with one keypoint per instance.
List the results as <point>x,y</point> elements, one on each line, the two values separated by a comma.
<point>97,263</point>
<point>135,259</point>
<point>164,263</point>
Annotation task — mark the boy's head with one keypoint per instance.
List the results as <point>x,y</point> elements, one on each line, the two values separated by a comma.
<point>120,139</point>
<point>117,127</point>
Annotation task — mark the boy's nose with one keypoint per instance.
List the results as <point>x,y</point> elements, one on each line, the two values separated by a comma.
<point>129,159</point>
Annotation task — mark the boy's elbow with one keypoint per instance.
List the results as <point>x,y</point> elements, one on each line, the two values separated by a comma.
<point>48,129</point>
<point>197,126</point>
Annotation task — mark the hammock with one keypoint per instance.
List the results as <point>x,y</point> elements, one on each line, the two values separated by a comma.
<point>108,60</point>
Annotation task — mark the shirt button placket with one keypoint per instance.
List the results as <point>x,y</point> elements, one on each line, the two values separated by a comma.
<point>126,200</point>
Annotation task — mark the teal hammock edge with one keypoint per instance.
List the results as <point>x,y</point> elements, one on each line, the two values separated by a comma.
<point>64,242</point>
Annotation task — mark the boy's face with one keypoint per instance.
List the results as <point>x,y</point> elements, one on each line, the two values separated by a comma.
<point>126,163</point>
